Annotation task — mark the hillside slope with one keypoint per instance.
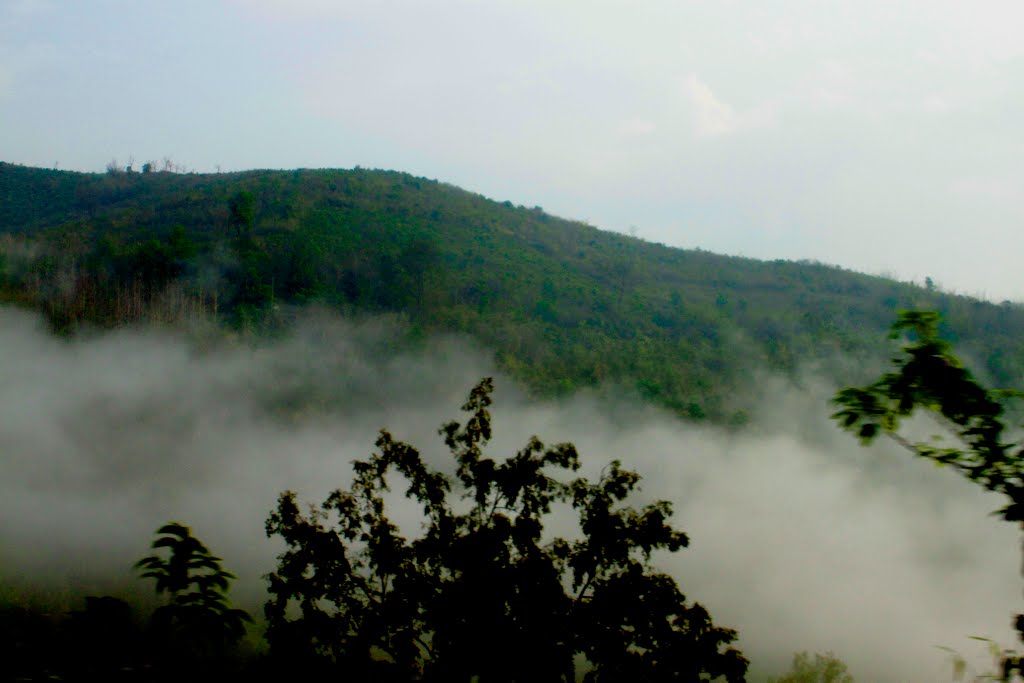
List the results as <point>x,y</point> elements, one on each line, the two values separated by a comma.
<point>562,304</point>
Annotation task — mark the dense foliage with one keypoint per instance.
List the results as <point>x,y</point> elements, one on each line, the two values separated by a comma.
<point>197,622</point>
<point>561,304</point>
<point>481,593</point>
<point>193,636</point>
<point>976,436</point>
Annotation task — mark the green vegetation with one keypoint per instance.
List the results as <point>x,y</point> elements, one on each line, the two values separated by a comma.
<point>561,304</point>
<point>479,594</point>
<point>976,437</point>
<point>198,622</point>
<point>194,636</point>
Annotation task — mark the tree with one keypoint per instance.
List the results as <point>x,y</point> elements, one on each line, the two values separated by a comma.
<point>252,276</point>
<point>927,376</point>
<point>100,642</point>
<point>826,668</point>
<point>481,591</point>
<point>417,261</point>
<point>198,621</point>
<point>242,210</point>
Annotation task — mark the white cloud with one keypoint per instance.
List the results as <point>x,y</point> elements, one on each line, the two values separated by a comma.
<point>981,34</point>
<point>834,85</point>
<point>714,117</point>
<point>989,189</point>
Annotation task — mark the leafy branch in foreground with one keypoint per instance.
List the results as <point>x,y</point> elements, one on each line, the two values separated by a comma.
<point>482,592</point>
<point>927,376</point>
<point>198,620</point>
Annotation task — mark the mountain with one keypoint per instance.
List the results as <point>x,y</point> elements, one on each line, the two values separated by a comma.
<point>562,304</point>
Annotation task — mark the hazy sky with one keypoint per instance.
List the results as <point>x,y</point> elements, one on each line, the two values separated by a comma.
<point>879,135</point>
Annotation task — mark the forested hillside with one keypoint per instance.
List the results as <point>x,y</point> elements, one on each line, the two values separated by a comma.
<point>562,305</point>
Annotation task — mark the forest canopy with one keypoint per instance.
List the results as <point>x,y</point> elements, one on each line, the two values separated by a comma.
<point>561,304</point>
<point>482,593</point>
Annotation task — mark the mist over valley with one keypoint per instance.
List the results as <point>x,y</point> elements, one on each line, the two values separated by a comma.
<point>463,341</point>
<point>800,538</point>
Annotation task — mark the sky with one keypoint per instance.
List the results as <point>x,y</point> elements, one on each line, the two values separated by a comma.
<point>883,136</point>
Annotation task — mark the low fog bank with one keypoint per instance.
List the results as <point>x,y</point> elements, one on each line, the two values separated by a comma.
<point>800,539</point>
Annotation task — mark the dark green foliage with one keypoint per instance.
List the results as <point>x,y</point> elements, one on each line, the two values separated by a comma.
<point>198,622</point>
<point>243,213</point>
<point>481,591</point>
<point>927,375</point>
<point>155,262</point>
<point>104,638</point>
<point>100,642</point>
<point>563,305</point>
<point>975,439</point>
<point>193,636</point>
<point>27,638</point>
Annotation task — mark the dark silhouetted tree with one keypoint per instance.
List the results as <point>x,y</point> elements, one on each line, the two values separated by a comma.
<point>974,438</point>
<point>102,641</point>
<point>481,593</point>
<point>197,622</point>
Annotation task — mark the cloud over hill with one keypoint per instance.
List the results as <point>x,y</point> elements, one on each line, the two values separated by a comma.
<point>799,538</point>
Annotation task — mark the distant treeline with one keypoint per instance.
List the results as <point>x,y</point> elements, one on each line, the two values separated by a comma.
<point>562,304</point>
